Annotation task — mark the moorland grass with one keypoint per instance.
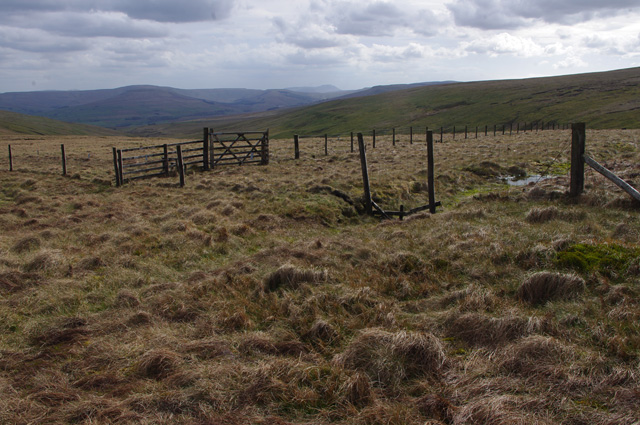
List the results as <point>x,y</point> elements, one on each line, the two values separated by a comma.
<point>260,295</point>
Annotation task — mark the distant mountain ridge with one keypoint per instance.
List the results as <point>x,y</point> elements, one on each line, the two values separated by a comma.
<point>144,105</point>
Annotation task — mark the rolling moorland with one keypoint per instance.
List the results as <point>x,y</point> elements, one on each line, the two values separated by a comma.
<point>263,295</point>
<point>602,100</point>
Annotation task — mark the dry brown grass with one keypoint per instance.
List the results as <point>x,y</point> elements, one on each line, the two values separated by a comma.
<point>390,358</point>
<point>258,295</point>
<point>547,286</point>
<point>290,277</point>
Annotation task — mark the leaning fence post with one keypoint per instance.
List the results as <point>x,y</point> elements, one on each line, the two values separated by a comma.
<point>180,165</point>
<point>365,175</point>
<point>115,166</point>
<point>64,161</point>
<point>10,159</point>
<point>296,146</point>
<point>430,173</point>
<point>205,149</point>
<point>578,138</point>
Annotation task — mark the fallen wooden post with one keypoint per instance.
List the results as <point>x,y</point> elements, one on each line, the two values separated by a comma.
<point>615,179</point>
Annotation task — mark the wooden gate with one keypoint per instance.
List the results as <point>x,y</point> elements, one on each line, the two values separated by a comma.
<point>248,147</point>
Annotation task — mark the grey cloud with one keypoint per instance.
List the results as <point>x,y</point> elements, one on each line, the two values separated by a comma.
<point>100,25</point>
<point>175,11</point>
<point>38,42</point>
<point>505,14</point>
<point>376,19</point>
<point>153,10</point>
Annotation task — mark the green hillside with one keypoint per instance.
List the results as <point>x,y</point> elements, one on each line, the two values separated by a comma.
<point>14,123</point>
<point>603,100</point>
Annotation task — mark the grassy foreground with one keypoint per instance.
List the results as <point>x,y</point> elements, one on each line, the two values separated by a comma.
<point>259,295</point>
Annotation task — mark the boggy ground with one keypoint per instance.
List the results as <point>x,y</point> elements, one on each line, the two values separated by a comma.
<point>261,295</point>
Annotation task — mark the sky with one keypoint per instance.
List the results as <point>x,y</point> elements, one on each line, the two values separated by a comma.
<point>268,44</point>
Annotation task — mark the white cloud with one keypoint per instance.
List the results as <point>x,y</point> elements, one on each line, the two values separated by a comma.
<point>504,44</point>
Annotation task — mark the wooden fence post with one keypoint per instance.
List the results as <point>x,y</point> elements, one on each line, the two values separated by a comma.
<point>518,129</point>
<point>165,159</point>
<point>365,175</point>
<point>205,149</point>
<point>115,166</point>
<point>465,132</point>
<point>296,146</point>
<point>64,161</point>
<point>374,138</point>
<point>264,154</point>
<point>10,159</point>
<point>326,145</point>
<point>430,174</point>
<point>180,165</point>
<point>503,129</point>
<point>352,142</point>
<point>578,138</point>
<point>120,167</point>
<point>476,131</point>
<point>485,129</point>
<point>494,130</point>
<point>411,135</point>
<point>394,136</point>
<point>441,133</point>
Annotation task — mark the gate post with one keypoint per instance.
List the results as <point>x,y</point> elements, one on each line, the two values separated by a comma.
<point>205,149</point>
<point>265,148</point>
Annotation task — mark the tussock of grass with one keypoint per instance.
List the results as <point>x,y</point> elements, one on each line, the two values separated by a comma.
<point>537,357</point>
<point>291,277</point>
<point>547,286</point>
<point>67,331</point>
<point>158,364</point>
<point>477,329</point>
<point>48,261</point>
<point>390,358</point>
<point>27,244</point>
<point>542,215</point>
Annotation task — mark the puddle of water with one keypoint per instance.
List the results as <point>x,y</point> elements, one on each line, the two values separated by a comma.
<point>523,181</point>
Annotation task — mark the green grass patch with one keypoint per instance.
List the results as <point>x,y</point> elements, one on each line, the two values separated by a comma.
<point>608,259</point>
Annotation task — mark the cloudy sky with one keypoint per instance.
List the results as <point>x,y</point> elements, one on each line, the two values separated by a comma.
<point>91,44</point>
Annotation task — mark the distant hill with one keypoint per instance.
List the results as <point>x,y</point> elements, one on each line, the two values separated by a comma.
<point>134,106</point>
<point>12,123</point>
<point>602,100</point>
